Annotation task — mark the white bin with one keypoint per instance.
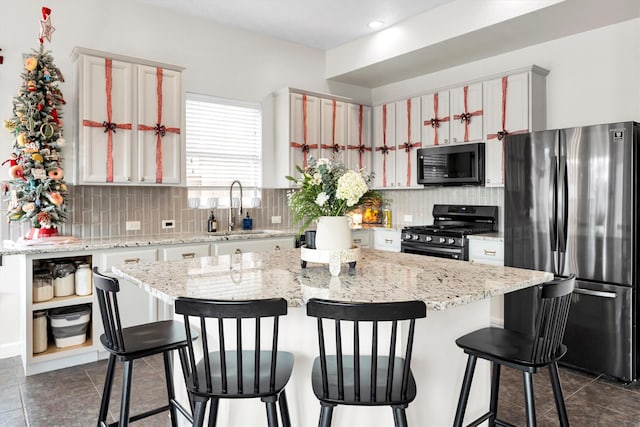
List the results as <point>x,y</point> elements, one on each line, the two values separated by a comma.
<point>69,324</point>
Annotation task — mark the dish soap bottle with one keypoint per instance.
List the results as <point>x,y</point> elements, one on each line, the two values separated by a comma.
<point>212,224</point>
<point>247,223</point>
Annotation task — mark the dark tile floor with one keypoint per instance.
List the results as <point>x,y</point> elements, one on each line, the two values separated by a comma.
<point>71,397</point>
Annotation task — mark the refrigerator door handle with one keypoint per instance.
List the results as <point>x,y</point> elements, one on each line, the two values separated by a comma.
<point>595,293</point>
<point>564,223</point>
<point>553,196</point>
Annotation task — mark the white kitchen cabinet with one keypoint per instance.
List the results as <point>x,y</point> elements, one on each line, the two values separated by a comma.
<point>408,140</point>
<point>160,154</point>
<point>435,118</point>
<point>384,146</point>
<point>175,252</point>
<point>53,357</point>
<point>485,250</point>
<point>359,142</point>
<point>252,245</point>
<point>135,304</point>
<point>466,113</point>
<point>361,238</point>
<point>386,239</point>
<point>333,129</point>
<point>513,104</point>
<point>130,115</point>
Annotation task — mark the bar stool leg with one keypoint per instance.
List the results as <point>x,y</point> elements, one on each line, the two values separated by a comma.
<point>326,412</point>
<point>199,408</point>
<point>529,401</point>
<point>168,375</point>
<point>495,391</point>
<point>464,392</point>
<point>284,409</point>
<point>213,412</point>
<point>399,417</point>
<point>106,391</point>
<point>126,393</point>
<point>557,395</point>
<point>272,413</point>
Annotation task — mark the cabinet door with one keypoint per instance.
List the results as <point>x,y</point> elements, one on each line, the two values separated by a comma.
<point>359,150</point>
<point>435,118</point>
<point>386,240</point>
<point>252,245</point>
<point>304,130</point>
<point>333,129</point>
<point>466,110</point>
<point>506,110</point>
<point>408,134</point>
<point>135,304</point>
<point>106,118</point>
<point>361,238</point>
<point>384,146</point>
<point>159,154</point>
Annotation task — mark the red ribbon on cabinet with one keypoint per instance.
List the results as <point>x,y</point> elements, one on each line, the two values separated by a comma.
<point>109,126</point>
<point>159,129</point>
<point>466,116</point>
<point>435,121</point>
<point>360,147</point>
<point>407,146</point>
<point>384,148</point>
<point>335,147</point>
<point>502,133</point>
<point>304,146</point>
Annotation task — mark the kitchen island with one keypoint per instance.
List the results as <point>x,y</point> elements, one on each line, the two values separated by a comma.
<point>456,293</point>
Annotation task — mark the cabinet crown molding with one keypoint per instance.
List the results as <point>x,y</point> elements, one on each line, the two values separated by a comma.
<point>139,61</point>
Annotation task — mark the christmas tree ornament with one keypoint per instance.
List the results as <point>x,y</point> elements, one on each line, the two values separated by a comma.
<point>31,63</point>
<point>56,174</point>
<point>46,29</point>
<point>37,157</point>
<point>46,130</point>
<point>38,174</point>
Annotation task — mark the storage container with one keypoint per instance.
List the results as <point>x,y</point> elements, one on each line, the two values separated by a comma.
<point>83,280</point>
<point>39,331</point>
<point>64,282</point>
<point>69,324</point>
<point>42,285</point>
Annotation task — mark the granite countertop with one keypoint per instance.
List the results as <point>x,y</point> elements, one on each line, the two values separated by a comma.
<point>47,246</point>
<point>378,276</point>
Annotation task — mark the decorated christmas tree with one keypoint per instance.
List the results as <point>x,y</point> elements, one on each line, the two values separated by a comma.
<point>37,188</point>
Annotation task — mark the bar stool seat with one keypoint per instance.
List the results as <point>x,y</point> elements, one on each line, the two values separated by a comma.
<point>132,343</point>
<point>526,353</point>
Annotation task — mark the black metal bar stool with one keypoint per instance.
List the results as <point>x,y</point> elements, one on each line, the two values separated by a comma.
<point>255,372</point>
<point>129,344</point>
<point>527,353</point>
<point>365,379</point>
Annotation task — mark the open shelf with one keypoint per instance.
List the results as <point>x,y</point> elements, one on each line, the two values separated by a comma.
<point>62,302</point>
<point>53,350</point>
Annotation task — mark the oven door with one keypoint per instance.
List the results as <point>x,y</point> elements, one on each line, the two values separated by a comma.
<point>433,250</point>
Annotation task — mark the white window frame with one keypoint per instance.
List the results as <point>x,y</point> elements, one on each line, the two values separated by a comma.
<point>217,196</point>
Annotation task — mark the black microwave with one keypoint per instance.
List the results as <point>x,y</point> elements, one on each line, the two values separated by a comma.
<point>456,164</point>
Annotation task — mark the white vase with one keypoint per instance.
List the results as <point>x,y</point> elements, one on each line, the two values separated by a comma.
<point>333,233</point>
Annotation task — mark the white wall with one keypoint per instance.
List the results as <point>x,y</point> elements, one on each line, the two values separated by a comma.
<point>593,76</point>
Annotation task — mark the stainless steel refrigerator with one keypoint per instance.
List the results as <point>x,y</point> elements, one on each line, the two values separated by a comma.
<point>571,206</point>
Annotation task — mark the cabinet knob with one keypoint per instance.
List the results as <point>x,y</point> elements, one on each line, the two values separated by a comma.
<point>132,260</point>
<point>277,248</point>
<point>128,179</point>
<point>189,255</point>
<point>142,179</point>
<point>238,251</point>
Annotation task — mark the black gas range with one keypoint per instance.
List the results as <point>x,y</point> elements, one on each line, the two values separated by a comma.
<point>447,237</point>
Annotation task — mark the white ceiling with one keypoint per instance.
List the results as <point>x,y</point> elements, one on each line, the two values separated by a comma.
<point>322,24</point>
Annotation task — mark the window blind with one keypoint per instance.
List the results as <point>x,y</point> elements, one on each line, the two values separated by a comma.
<point>223,142</point>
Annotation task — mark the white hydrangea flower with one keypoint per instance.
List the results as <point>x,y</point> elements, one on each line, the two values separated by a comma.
<point>351,187</point>
<point>317,178</point>
<point>322,198</point>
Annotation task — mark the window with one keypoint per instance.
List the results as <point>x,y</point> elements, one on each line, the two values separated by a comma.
<point>224,143</point>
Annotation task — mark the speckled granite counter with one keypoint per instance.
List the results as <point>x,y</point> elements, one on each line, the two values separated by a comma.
<point>139,241</point>
<point>378,276</point>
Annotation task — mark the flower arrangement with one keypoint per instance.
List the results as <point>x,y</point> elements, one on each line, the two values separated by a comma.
<point>328,188</point>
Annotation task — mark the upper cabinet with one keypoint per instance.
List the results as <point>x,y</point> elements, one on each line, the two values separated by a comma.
<point>384,146</point>
<point>408,140</point>
<point>513,104</point>
<point>130,119</point>
<point>308,124</point>
<point>466,113</point>
<point>436,118</point>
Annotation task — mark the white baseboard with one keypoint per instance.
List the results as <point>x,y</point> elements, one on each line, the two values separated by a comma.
<point>9,350</point>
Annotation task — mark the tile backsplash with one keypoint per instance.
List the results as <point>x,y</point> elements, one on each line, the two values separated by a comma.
<point>101,211</point>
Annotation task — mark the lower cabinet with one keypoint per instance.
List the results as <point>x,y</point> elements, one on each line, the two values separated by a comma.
<point>135,304</point>
<point>386,239</point>
<point>361,238</point>
<point>252,245</point>
<point>489,251</point>
<point>185,251</point>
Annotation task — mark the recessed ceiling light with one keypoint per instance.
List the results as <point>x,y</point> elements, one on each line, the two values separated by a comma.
<point>375,24</point>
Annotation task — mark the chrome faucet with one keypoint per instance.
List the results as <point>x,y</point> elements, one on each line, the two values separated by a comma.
<point>231,217</point>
